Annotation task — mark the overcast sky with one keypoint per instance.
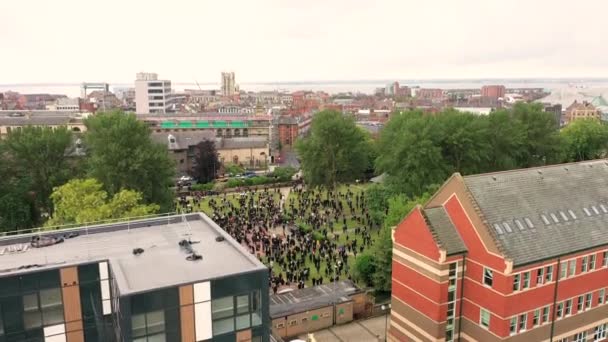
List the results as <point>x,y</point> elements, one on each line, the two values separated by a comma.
<point>285,40</point>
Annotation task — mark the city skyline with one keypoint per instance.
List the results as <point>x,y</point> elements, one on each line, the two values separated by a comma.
<point>273,41</point>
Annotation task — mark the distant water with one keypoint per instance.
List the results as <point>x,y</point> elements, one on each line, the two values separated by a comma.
<point>332,87</point>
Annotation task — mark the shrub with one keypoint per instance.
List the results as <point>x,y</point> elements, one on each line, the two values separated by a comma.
<point>203,187</point>
<point>283,174</point>
<point>233,169</point>
<point>318,236</point>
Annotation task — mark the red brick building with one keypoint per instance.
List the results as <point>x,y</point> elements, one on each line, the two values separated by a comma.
<point>288,130</point>
<point>510,256</point>
<point>493,91</point>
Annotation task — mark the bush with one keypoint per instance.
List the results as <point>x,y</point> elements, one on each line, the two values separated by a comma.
<point>283,174</point>
<point>203,187</point>
<point>364,268</point>
<point>233,169</point>
<point>234,183</point>
<point>304,228</point>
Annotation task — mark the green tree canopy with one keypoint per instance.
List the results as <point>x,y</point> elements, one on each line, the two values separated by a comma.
<point>84,200</point>
<point>39,154</point>
<point>121,155</point>
<point>585,139</point>
<point>335,151</point>
<point>420,150</point>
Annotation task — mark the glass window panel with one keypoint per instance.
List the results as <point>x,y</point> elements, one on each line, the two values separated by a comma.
<point>256,319</point>
<point>222,307</point>
<point>223,326</point>
<point>243,322</point>
<point>52,315</point>
<point>155,321</point>
<point>157,338</point>
<point>242,304</point>
<point>50,298</point>
<point>32,319</point>
<point>30,302</point>
<point>138,325</point>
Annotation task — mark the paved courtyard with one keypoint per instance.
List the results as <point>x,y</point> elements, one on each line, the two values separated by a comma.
<point>369,330</point>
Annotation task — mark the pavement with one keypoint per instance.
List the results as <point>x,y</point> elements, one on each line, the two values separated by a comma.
<point>369,330</point>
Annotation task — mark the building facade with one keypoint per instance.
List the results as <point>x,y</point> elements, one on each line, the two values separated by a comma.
<point>493,91</point>
<point>146,280</point>
<point>151,94</point>
<point>15,120</point>
<point>510,256</point>
<point>582,110</point>
<point>229,87</point>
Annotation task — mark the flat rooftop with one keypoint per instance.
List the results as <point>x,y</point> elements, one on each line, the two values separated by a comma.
<point>162,264</point>
<point>311,298</point>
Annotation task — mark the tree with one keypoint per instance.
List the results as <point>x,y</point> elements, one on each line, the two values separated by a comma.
<point>542,144</point>
<point>207,162</point>
<point>39,153</point>
<point>336,150</point>
<point>283,173</point>
<point>364,268</point>
<point>121,155</point>
<point>585,139</point>
<point>410,153</point>
<point>84,200</point>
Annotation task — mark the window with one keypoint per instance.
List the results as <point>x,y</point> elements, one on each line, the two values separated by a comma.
<point>584,265</point>
<point>591,262</point>
<point>565,339</point>
<point>579,305</point>
<point>600,332</point>
<point>568,307</point>
<point>516,282</point>
<point>571,267</point>
<point>588,298</point>
<point>236,313</point>
<point>529,223</point>
<point>539,276</point>
<point>536,318</point>
<point>484,318</point>
<point>554,217</point>
<point>600,297</point>
<point>526,282</point>
<point>580,337</point>
<point>549,274</point>
<point>563,269</point>
<point>545,314</point>
<point>222,312</point>
<point>560,310</point>
<point>488,278</point>
<point>149,326</point>
<point>523,322</point>
<point>42,308</point>
<point>605,259</point>
<point>513,326</point>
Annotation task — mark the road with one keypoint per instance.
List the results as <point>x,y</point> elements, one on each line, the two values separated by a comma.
<point>289,158</point>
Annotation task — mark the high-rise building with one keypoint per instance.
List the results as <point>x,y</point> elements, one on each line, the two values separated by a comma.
<point>509,256</point>
<point>166,279</point>
<point>229,86</point>
<point>493,91</point>
<point>152,96</point>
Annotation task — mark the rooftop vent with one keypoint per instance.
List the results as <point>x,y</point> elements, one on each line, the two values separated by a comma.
<point>220,239</point>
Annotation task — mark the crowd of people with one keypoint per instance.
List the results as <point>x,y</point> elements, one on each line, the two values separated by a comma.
<point>305,238</point>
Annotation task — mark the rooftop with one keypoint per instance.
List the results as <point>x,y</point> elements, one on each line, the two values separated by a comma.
<point>162,255</point>
<point>544,212</point>
<point>444,231</point>
<point>311,298</point>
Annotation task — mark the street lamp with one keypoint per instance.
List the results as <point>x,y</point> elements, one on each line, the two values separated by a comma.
<point>384,308</point>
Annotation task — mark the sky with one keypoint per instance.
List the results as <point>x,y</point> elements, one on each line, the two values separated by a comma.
<point>284,40</point>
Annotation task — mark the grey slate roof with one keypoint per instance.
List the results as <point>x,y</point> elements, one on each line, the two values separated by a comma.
<point>572,189</point>
<point>444,231</point>
<point>311,298</point>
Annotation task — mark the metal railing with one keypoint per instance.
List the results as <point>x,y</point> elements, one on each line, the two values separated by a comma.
<point>85,225</point>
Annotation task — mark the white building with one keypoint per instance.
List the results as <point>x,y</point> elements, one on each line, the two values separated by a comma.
<point>151,94</point>
<point>64,104</point>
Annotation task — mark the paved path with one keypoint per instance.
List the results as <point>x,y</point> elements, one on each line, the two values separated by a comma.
<point>369,330</point>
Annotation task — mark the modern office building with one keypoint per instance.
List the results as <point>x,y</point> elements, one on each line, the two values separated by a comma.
<point>174,278</point>
<point>509,256</point>
<point>151,94</point>
<point>229,86</point>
